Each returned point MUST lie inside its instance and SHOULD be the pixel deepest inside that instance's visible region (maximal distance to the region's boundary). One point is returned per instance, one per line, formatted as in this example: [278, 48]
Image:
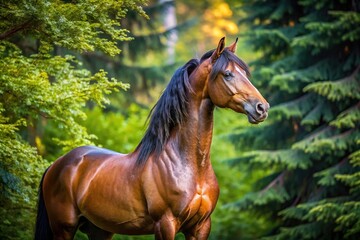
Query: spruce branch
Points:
[302, 190]
[279, 180]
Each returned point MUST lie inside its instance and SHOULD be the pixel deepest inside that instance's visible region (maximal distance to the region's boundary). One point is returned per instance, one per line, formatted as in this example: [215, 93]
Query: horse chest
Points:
[199, 207]
[180, 192]
[196, 201]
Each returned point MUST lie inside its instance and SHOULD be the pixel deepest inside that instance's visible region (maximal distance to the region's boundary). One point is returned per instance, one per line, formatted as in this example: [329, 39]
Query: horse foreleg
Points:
[63, 221]
[63, 231]
[200, 231]
[166, 227]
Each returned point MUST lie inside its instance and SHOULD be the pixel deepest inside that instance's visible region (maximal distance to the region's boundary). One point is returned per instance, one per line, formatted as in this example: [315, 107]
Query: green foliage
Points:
[268, 196]
[143, 60]
[28, 91]
[227, 221]
[286, 158]
[347, 88]
[348, 118]
[14, 151]
[341, 26]
[78, 26]
[293, 109]
[40, 87]
[116, 131]
[310, 75]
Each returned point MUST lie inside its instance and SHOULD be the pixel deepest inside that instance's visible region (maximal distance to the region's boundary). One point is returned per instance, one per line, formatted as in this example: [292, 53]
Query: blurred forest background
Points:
[88, 72]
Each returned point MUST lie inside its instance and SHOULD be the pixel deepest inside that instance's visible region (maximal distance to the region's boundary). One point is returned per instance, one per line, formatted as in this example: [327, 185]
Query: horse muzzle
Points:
[256, 112]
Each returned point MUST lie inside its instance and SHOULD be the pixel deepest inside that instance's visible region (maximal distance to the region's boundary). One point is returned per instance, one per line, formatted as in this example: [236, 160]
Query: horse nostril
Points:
[260, 109]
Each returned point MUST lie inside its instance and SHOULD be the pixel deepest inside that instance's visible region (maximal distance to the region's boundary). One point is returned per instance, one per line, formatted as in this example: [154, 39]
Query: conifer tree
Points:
[306, 156]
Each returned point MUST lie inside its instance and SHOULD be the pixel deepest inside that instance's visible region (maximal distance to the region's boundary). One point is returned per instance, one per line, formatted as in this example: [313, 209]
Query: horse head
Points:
[228, 84]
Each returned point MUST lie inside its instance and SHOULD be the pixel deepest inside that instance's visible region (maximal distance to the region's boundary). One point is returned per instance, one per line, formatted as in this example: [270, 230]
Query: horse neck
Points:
[195, 134]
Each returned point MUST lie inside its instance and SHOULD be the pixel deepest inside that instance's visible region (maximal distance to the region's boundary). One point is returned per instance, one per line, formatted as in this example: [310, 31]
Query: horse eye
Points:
[228, 75]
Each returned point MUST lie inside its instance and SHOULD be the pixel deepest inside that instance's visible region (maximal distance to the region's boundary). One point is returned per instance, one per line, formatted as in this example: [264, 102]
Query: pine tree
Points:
[306, 156]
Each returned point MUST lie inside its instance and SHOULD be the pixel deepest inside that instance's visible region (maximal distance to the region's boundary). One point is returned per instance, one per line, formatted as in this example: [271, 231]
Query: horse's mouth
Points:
[255, 120]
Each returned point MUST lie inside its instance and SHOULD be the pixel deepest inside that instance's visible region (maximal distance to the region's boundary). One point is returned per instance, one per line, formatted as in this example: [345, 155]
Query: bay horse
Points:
[167, 185]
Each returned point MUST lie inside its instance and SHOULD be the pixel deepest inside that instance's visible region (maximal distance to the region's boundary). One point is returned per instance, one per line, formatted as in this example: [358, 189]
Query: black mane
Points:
[172, 108]
[169, 112]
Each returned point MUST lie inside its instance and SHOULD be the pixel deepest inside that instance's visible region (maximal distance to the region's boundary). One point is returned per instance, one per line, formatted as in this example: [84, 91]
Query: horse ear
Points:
[232, 47]
[220, 48]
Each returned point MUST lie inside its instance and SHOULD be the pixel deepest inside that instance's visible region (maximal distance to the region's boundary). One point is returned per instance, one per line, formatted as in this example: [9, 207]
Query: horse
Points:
[167, 184]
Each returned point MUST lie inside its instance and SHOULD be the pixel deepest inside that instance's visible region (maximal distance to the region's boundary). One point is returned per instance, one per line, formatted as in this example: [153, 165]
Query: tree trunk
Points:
[169, 21]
